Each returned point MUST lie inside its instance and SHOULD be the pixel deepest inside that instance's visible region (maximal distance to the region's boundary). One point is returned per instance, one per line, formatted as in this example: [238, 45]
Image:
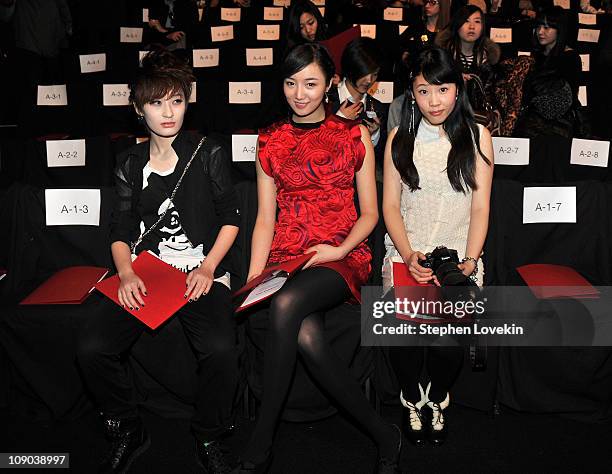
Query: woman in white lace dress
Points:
[437, 184]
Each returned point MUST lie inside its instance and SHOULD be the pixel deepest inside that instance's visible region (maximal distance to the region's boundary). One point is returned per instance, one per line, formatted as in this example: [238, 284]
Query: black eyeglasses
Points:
[433, 3]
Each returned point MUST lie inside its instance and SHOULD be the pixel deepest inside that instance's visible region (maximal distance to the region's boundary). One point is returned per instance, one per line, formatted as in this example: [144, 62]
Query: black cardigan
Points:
[206, 199]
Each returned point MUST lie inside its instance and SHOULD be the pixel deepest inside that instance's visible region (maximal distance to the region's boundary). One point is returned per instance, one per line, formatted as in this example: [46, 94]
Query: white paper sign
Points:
[222, 33]
[588, 36]
[585, 59]
[322, 11]
[130, 35]
[368, 31]
[259, 56]
[145, 15]
[72, 207]
[565, 4]
[245, 92]
[587, 18]
[268, 32]
[273, 14]
[549, 205]
[193, 97]
[115, 94]
[205, 57]
[52, 95]
[92, 62]
[230, 14]
[65, 153]
[243, 147]
[524, 53]
[501, 35]
[590, 152]
[393, 14]
[382, 91]
[511, 151]
[402, 28]
[582, 96]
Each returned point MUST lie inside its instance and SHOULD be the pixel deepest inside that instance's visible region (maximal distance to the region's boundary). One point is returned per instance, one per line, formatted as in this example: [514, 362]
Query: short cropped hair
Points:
[162, 74]
[361, 57]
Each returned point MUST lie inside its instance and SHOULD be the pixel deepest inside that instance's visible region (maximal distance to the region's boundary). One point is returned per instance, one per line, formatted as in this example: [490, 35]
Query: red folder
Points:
[556, 281]
[268, 282]
[165, 289]
[406, 287]
[336, 44]
[68, 286]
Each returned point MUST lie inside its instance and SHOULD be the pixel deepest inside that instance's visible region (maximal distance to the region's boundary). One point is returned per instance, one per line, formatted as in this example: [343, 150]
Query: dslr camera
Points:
[444, 264]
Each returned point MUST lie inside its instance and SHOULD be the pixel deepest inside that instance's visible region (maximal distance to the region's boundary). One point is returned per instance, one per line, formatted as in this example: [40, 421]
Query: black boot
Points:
[129, 439]
[214, 456]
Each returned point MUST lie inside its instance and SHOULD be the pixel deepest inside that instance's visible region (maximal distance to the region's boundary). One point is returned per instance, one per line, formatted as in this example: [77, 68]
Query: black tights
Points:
[443, 365]
[296, 317]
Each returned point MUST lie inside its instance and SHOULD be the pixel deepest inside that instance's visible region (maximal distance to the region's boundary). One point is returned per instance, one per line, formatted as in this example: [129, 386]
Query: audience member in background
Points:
[173, 22]
[586, 7]
[361, 61]
[436, 191]
[413, 10]
[308, 169]
[42, 29]
[306, 25]
[436, 15]
[550, 98]
[175, 199]
[476, 53]
[516, 9]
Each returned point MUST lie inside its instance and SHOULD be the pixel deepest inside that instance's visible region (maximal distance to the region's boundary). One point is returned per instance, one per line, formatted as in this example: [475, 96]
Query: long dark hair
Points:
[454, 44]
[553, 17]
[437, 67]
[294, 33]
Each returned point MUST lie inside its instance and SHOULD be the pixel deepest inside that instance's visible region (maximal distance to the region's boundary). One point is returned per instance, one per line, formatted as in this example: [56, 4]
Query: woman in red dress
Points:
[306, 170]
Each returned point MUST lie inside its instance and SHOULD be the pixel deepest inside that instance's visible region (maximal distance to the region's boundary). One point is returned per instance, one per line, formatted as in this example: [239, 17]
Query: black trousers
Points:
[209, 325]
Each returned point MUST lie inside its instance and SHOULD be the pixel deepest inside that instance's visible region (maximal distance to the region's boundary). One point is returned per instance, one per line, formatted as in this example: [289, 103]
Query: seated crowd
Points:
[316, 171]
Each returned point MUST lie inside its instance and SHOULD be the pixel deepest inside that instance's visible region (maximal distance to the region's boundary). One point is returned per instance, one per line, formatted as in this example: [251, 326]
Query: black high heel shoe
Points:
[391, 465]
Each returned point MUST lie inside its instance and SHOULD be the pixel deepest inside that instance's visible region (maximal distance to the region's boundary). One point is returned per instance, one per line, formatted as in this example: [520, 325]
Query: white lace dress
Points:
[436, 214]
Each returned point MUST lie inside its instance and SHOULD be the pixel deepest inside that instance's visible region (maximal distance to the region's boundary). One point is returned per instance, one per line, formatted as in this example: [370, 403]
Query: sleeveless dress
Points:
[436, 214]
[314, 166]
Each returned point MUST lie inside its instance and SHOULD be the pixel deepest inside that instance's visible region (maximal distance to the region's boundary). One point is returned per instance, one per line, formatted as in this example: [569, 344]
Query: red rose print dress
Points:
[313, 166]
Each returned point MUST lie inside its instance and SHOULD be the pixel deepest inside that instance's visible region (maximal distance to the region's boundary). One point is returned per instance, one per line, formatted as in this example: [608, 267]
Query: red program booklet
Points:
[408, 289]
[67, 286]
[269, 282]
[556, 281]
[165, 289]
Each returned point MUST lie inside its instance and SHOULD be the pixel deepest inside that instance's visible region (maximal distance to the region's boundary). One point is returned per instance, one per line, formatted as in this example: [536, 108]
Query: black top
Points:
[205, 201]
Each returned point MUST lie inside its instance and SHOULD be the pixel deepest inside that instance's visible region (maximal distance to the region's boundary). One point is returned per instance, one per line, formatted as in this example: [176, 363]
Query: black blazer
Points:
[206, 199]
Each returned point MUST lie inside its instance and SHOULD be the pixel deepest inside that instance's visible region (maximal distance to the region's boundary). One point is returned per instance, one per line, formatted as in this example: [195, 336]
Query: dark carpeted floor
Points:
[510, 442]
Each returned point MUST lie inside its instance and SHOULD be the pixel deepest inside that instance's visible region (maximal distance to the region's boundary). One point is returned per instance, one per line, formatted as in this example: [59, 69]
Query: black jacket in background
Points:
[370, 103]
